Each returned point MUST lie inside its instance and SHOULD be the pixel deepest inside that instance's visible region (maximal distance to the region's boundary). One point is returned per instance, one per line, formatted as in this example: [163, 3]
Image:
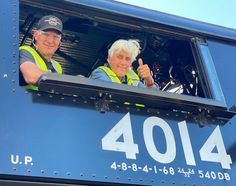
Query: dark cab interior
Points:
[178, 57]
[89, 33]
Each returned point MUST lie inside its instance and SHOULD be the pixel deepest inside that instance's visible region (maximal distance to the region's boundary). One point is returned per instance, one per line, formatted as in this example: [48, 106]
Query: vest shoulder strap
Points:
[56, 66]
[113, 77]
[38, 60]
[132, 78]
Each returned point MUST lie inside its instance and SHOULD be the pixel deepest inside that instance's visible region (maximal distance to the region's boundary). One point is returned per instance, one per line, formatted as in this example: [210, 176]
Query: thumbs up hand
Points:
[145, 73]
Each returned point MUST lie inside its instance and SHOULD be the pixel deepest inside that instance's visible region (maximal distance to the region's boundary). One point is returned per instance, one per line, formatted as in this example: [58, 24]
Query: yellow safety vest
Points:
[40, 63]
[132, 77]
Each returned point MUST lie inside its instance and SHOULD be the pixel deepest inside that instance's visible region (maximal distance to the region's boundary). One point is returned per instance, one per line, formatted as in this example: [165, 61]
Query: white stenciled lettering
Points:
[170, 153]
[112, 142]
[28, 159]
[215, 140]
[21, 160]
[15, 159]
[122, 128]
[187, 146]
[213, 175]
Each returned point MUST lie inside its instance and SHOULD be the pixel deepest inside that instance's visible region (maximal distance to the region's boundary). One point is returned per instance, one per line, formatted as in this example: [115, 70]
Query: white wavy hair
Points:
[131, 46]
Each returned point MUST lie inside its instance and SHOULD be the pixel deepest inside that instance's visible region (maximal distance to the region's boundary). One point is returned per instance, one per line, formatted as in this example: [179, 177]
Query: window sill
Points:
[81, 86]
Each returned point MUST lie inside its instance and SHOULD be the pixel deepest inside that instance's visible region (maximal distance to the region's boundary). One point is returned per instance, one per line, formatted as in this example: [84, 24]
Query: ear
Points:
[108, 59]
[59, 44]
[36, 35]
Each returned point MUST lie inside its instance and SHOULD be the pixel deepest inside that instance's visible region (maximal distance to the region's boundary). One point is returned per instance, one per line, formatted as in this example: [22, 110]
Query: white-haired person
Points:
[121, 55]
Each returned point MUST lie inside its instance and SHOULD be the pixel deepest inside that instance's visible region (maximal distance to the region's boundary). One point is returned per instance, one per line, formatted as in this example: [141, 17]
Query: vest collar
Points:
[41, 56]
[123, 79]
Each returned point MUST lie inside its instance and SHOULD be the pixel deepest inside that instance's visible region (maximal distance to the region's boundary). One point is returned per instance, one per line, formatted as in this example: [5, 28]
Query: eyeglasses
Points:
[47, 35]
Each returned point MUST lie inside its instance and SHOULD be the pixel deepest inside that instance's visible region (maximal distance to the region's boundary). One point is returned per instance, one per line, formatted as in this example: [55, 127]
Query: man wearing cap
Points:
[37, 60]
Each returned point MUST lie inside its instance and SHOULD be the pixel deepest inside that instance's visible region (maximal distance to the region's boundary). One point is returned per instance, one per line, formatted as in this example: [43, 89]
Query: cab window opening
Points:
[85, 42]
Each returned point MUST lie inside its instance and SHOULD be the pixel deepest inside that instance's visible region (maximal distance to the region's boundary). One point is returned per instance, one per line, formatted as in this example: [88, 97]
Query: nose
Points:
[123, 62]
[50, 39]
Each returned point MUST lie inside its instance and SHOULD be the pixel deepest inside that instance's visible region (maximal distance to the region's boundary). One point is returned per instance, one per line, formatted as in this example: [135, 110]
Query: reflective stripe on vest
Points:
[132, 77]
[40, 63]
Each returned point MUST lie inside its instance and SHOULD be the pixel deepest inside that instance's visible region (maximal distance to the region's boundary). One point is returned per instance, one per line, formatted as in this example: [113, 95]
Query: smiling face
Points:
[120, 63]
[47, 42]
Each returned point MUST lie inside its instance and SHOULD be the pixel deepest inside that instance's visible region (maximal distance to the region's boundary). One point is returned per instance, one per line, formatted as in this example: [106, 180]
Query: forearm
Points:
[31, 72]
[149, 83]
[33, 78]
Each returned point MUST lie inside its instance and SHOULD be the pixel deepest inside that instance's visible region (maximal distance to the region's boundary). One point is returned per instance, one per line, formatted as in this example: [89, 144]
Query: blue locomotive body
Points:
[78, 131]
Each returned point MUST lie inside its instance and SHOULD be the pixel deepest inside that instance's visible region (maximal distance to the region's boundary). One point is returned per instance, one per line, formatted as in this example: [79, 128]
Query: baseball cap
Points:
[50, 22]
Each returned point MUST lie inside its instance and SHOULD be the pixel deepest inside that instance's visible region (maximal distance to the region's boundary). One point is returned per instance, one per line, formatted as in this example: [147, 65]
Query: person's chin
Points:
[122, 74]
[50, 50]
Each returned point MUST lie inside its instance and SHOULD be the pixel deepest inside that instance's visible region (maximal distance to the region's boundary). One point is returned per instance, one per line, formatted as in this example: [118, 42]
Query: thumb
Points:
[140, 62]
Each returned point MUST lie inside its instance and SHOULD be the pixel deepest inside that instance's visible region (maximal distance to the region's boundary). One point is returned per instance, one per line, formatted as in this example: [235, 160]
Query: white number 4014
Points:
[112, 142]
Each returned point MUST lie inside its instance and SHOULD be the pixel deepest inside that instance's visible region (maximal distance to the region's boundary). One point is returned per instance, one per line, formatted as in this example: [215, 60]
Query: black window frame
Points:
[213, 105]
[208, 72]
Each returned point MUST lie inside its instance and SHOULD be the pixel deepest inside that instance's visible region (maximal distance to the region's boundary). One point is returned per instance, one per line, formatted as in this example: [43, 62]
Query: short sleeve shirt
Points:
[27, 56]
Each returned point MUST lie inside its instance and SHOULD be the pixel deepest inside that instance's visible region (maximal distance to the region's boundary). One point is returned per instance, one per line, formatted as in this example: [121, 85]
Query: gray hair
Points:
[131, 46]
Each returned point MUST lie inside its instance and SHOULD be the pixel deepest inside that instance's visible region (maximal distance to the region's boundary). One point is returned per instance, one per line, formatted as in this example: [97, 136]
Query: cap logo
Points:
[52, 21]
